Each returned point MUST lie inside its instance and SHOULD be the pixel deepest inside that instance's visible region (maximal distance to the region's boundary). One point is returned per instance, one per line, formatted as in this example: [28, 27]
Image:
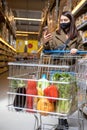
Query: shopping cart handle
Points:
[62, 51]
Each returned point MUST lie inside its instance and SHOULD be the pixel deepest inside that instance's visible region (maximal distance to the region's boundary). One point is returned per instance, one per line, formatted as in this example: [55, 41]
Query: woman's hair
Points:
[72, 30]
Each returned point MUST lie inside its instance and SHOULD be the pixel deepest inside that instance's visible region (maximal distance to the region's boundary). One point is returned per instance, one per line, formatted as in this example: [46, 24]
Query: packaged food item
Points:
[43, 82]
[85, 17]
[52, 20]
[84, 36]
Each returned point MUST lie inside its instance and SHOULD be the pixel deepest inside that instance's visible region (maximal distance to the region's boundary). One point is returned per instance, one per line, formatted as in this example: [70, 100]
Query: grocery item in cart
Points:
[67, 91]
[44, 106]
[31, 101]
[51, 91]
[20, 99]
[17, 83]
[42, 84]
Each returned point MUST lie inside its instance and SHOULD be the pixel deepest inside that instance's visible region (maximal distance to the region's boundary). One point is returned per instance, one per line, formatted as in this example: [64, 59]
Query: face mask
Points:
[65, 25]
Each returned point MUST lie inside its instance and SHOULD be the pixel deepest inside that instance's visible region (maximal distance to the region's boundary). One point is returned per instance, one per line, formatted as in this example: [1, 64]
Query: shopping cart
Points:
[48, 87]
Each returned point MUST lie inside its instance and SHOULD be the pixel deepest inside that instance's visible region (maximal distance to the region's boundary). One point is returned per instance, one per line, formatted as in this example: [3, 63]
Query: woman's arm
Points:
[78, 45]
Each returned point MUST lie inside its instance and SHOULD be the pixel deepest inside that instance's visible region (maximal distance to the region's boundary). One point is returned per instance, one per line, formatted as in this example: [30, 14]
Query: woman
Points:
[67, 31]
[66, 38]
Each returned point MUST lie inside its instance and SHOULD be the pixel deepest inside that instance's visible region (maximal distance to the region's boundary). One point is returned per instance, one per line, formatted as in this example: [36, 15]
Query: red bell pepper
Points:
[51, 91]
[31, 90]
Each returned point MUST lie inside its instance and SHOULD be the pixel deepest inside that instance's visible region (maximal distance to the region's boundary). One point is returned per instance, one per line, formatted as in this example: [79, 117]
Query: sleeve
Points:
[79, 43]
[46, 46]
[52, 44]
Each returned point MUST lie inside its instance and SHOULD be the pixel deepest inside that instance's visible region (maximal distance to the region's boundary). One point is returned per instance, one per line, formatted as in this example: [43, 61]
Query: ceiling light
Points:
[25, 35]
[26, 42]
[27, 19]
[25, 32]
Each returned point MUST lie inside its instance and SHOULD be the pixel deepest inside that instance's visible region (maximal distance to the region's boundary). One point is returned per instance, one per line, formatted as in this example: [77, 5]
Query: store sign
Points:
[31, 46]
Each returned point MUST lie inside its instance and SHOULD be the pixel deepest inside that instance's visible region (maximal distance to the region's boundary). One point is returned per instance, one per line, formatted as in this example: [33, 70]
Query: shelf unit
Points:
[80, 9]
[82, 26]
[4, 19]
[7, 37]
[7, 53]
[48, 9]
[45, 13]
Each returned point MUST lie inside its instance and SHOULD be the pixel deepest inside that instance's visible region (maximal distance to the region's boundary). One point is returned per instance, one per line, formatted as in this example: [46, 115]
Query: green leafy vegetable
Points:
[67, 89]
[17, 83]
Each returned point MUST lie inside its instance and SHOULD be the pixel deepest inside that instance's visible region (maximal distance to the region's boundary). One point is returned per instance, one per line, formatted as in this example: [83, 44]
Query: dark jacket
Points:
[59, 40]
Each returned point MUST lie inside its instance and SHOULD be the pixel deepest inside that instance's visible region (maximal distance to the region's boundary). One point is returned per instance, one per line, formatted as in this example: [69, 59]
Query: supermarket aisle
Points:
[17, 121]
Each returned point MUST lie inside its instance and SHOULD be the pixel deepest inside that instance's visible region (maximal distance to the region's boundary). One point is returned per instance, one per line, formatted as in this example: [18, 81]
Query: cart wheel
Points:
[38, 128]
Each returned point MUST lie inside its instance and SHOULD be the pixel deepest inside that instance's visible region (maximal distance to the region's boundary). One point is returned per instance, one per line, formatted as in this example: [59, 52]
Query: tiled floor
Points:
[10, 120]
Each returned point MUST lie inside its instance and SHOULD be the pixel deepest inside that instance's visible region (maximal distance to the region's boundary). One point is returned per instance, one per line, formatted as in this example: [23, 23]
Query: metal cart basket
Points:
[47, 87]
[82, 83]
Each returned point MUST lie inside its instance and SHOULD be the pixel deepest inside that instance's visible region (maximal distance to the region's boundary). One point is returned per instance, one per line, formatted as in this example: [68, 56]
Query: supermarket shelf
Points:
[2, 70]
[79, 7]
[82, 26]
[4, 18]
[7, 53]
[1, 40]
[52, 5]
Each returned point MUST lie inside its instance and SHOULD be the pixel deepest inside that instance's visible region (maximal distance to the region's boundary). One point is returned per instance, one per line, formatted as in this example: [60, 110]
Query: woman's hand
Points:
[47, 37]
[73, 51]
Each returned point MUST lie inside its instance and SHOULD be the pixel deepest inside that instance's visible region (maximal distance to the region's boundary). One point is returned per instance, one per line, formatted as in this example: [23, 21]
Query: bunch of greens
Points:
[67, 88]
[17, 83]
